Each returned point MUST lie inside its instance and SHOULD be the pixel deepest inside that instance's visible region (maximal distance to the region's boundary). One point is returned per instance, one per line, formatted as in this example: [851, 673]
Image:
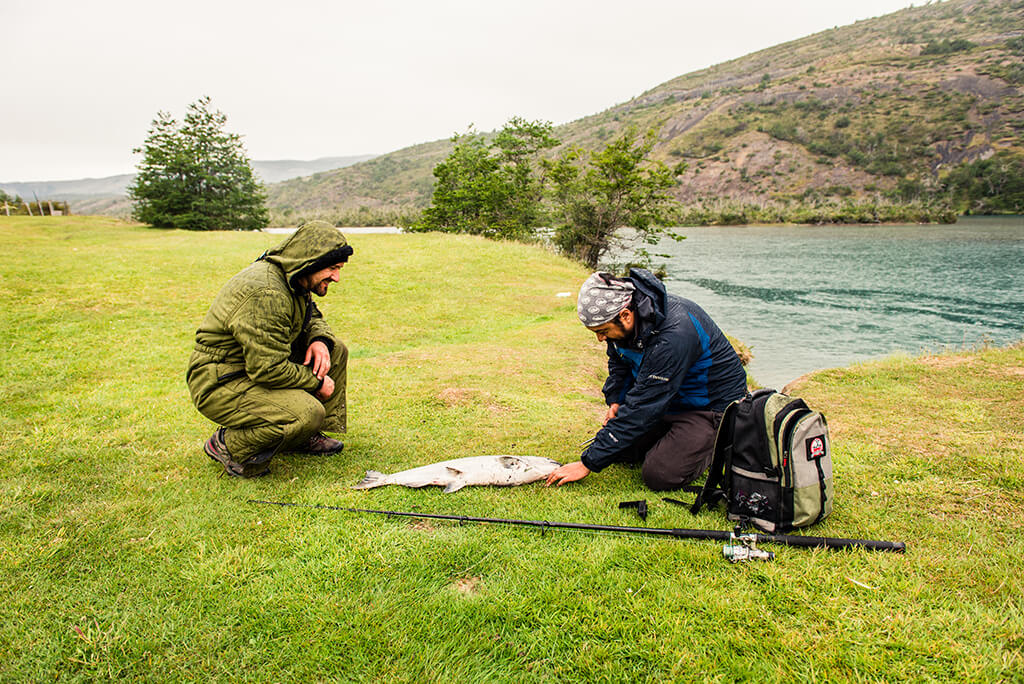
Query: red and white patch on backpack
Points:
[815, 447]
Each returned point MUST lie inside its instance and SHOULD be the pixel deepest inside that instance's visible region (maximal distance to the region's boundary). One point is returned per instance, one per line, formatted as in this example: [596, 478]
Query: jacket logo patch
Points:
[657, 377]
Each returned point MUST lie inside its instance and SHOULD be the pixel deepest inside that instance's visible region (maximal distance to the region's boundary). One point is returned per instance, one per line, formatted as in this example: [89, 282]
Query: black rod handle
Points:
[832, 542]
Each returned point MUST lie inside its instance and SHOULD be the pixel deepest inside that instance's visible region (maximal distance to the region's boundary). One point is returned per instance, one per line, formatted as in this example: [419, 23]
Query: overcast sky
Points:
[301, 79]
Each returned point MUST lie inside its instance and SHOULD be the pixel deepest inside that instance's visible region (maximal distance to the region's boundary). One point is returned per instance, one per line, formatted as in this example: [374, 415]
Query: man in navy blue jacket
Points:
[671, 373]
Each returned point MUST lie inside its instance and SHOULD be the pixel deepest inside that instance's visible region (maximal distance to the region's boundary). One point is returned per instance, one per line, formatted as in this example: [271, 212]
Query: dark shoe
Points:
[257, 465]
[217, 449]
[322, 444]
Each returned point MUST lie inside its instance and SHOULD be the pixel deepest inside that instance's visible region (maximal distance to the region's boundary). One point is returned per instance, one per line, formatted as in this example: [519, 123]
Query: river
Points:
[811, 297]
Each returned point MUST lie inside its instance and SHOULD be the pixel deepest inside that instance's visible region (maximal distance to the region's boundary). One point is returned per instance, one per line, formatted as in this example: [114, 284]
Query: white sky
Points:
[301, 79]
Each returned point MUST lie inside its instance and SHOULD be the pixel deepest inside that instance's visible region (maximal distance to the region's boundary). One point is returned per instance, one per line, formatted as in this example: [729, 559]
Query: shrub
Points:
[946, 47]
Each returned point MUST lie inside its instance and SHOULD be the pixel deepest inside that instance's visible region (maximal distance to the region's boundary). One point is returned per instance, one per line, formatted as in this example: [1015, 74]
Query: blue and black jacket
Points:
[678, 360]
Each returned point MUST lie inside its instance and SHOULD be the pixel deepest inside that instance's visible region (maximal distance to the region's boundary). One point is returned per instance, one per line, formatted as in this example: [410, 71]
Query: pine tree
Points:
[196, 176]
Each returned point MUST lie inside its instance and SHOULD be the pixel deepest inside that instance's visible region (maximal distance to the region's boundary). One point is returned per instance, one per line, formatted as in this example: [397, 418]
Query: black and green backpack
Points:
[772, 465]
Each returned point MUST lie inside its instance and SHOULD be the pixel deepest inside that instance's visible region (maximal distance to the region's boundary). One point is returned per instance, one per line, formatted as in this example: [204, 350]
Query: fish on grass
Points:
[457, 473]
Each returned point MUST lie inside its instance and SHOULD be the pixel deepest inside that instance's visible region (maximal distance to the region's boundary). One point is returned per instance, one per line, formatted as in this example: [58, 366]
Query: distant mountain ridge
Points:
[284, 169]
[882, 107]
[71, 189]
[90, 191]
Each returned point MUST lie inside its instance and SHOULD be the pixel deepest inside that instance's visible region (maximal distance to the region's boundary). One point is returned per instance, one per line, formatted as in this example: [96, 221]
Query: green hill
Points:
[399, 181]
[886, 107]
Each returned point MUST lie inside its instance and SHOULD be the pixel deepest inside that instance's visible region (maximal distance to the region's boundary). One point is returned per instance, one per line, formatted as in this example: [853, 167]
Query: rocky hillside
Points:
[884, 107]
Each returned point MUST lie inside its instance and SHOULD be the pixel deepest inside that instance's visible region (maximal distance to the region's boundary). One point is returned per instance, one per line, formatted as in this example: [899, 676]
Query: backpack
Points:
[772, 463]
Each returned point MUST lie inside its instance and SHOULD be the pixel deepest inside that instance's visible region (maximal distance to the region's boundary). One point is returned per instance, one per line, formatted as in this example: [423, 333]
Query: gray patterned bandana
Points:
[602, 297]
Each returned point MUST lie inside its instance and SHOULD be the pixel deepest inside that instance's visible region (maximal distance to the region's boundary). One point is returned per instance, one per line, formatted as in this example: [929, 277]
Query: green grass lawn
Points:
[125, 554]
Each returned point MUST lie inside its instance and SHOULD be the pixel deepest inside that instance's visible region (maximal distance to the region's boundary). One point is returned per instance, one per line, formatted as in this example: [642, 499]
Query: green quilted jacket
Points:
[262, 321]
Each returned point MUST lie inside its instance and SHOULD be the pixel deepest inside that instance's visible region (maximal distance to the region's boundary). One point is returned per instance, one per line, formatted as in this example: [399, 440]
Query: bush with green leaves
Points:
[196, 176]
[946, 47]
[491, 188]
[988, 186]
[594, 194]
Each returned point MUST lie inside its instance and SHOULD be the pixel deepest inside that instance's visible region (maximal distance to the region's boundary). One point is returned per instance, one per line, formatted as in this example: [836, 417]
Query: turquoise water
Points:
[809, 297]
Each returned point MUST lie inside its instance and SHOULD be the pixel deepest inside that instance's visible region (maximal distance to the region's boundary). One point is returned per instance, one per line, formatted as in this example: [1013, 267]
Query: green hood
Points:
[315, 245]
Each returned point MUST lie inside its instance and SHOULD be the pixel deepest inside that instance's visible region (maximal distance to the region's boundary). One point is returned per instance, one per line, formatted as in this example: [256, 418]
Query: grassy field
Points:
[124, 554]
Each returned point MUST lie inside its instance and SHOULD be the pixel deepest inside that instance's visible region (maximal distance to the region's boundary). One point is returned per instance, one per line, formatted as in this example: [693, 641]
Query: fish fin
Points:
[455, 485]
[508, 461]
[454, 472]
[373, 479]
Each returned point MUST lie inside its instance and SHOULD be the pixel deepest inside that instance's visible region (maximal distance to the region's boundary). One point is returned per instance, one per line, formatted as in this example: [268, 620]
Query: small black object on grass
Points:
[640, 506]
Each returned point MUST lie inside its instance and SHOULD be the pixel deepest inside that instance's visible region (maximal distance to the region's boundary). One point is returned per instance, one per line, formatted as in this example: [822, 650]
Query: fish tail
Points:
[373, 479]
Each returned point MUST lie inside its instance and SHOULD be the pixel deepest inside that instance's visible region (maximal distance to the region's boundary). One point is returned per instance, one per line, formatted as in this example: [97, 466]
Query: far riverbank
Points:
[354, 230]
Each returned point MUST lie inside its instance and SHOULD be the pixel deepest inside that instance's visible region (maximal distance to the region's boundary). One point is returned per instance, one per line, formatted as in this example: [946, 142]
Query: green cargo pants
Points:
[260, 419]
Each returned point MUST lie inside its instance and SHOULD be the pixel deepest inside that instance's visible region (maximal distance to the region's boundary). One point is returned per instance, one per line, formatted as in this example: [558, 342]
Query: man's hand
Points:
[326, 389]
[320, 357]
[570, 472]
[613, 411]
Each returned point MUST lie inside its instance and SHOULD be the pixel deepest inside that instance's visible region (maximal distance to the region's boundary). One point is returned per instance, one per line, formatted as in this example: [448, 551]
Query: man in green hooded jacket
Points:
[266, 366]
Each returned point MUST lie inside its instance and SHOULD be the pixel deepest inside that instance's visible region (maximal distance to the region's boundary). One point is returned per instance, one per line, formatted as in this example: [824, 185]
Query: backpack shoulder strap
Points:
[711, 493]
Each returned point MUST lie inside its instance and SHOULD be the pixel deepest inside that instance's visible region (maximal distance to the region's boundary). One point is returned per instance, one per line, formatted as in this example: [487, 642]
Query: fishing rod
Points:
[743, 545]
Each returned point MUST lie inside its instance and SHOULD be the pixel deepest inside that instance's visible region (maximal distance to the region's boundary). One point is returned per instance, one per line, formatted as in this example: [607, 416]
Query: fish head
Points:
[542, 465]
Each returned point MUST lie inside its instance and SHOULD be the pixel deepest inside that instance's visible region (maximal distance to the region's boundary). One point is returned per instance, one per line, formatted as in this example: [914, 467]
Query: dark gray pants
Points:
[677, 451]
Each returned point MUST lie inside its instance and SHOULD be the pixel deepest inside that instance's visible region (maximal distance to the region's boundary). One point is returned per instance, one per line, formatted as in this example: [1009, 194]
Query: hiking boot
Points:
[217, 449]
[320, 443]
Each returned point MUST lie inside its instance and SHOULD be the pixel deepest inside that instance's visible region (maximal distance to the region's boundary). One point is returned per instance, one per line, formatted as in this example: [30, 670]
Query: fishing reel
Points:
[743, 547]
